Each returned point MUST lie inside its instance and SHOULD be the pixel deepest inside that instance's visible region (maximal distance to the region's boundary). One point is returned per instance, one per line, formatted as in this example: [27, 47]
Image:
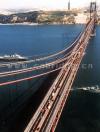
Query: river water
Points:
[82, 110]
[36, 40]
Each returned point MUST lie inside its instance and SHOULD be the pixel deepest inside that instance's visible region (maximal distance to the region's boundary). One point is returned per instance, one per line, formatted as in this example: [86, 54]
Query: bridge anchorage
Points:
[48, 114]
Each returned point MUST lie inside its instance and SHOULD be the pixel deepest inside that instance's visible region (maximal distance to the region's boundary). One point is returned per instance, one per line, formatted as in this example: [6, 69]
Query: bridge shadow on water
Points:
[25, 115]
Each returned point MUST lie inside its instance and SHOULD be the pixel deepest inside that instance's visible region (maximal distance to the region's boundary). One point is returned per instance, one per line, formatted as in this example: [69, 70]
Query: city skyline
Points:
[42, 4]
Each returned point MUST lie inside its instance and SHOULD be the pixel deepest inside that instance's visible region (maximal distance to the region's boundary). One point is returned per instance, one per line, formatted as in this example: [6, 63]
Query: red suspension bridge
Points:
[67, 62]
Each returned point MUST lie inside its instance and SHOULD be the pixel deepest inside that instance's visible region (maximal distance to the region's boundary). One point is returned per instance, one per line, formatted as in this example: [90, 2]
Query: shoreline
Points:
[36, 24]
[30, 24]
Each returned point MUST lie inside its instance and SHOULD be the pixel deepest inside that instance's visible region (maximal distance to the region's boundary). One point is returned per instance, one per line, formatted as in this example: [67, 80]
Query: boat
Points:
[94, 89]
[14, 57]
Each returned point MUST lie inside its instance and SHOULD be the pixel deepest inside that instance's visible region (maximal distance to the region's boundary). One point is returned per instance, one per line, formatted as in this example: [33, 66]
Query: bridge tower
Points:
[93, 13]
[69, 5]
[93, 8]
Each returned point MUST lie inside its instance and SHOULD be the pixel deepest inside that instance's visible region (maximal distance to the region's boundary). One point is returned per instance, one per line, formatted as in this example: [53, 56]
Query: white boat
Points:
[94, 89]
[14, 57]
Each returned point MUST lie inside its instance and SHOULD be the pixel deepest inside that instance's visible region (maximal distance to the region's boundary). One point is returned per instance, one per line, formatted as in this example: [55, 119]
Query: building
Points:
[81, 18]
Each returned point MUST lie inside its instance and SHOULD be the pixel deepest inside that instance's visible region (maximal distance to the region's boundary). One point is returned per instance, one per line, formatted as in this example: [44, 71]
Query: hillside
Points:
[45, 17]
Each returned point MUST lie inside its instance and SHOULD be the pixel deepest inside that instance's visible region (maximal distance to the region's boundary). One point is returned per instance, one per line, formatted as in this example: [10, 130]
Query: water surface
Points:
[36, 40]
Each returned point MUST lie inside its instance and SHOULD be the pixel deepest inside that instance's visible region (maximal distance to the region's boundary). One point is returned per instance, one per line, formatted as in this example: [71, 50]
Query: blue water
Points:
[36, 40]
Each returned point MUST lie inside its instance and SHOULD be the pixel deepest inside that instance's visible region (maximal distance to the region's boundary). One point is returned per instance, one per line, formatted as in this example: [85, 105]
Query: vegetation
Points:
[45, 17]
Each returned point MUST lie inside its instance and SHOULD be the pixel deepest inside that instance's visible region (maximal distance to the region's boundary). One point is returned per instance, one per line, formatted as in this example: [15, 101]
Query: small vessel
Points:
[84, 89]
[14, 57]
[94, 89]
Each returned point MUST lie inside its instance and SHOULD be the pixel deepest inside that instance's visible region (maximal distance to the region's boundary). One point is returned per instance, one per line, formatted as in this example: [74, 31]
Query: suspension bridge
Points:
[67, 62]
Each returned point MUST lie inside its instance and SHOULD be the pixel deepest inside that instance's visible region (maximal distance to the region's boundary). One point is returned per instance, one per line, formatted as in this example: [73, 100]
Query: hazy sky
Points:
[48, 4]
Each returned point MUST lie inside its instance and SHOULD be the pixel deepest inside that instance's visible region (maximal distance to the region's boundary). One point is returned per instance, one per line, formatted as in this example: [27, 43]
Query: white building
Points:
[81, 18]
[14, 19]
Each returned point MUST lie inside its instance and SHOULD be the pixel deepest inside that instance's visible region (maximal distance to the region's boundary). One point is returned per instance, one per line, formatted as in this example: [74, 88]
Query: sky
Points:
[41, 4]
